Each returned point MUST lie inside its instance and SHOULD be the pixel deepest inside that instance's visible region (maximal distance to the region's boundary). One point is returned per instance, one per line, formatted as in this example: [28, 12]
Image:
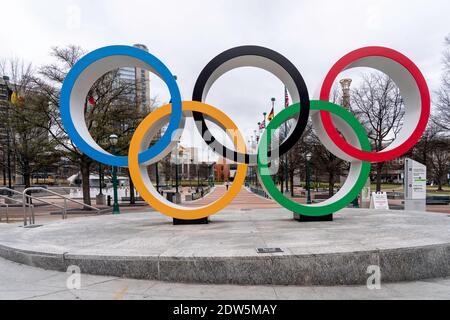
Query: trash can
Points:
[170, 196]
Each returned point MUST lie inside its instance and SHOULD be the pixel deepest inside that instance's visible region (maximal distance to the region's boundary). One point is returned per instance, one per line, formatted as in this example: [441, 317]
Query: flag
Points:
[20, 101]
[262, 125]
[92, 101]
[14, 98]
[271, 115]
[286, 98]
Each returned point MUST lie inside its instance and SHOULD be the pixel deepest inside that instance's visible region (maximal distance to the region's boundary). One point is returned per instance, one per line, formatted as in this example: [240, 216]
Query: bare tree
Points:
[440, 161]
[423, 150]
[31, 147]
[379, 107]
[115, 110]
[324, 160]
[442, 100]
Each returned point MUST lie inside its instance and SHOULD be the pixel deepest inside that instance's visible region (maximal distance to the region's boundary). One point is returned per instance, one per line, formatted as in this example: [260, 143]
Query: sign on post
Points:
[415, 185]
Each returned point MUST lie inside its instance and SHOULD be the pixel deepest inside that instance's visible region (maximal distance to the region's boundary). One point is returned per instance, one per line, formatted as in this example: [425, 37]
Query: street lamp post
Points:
[198, 176]
[100, 198]
[210, 175]
[157, 176]
[308, 178]
[190, 175]
[100, 178]
[176, 168]
[346, 84]
[114, 139]
[8, 146]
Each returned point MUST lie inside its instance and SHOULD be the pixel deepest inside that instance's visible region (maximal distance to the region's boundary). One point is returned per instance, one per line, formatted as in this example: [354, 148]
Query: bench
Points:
[438, 200]
[395, 195]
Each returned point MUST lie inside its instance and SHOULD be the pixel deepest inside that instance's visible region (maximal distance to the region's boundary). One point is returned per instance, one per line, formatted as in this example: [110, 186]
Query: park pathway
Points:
[244, 200]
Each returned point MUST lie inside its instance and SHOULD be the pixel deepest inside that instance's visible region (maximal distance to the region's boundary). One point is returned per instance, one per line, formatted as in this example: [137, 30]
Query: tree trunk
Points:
[27, 179]
[132, 197]
[85, 166]
[439, 181]
[26, 175]
[330, 184]
[379, 172]
[4, 173]
[291, 177]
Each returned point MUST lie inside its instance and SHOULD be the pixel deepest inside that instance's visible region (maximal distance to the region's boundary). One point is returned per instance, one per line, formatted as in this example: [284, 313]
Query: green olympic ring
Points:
[344, 197]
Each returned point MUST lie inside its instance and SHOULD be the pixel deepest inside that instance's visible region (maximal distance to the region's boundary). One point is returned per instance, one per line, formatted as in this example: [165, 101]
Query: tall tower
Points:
[142, 77]
[345, 84]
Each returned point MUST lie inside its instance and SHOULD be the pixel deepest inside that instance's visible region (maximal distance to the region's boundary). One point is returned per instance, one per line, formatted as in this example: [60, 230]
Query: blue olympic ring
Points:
[82, 65]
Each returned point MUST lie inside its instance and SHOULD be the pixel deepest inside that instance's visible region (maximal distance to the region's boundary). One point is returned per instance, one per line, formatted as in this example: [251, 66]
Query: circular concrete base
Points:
[405, 245]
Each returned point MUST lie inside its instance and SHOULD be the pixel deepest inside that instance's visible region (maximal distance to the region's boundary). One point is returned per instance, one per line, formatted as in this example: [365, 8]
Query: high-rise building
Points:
[4, 96]
[4, 89]
[140, 78]
[143, 85]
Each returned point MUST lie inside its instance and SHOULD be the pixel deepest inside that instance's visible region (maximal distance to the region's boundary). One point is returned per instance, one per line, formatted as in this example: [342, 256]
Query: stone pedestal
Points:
[302, 218]
[179, 222]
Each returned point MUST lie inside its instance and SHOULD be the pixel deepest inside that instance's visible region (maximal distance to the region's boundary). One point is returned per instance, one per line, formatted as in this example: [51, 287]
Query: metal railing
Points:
[59, 196]
[24, 204]
[7, 216]
[28, 207]
[6, 206]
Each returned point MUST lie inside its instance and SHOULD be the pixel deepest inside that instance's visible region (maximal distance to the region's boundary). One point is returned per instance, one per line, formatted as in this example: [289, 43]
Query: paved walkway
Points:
[244, 200]
[19, 282]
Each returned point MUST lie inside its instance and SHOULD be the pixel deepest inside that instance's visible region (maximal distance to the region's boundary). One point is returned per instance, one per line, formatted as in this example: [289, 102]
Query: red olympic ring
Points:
[346, 62]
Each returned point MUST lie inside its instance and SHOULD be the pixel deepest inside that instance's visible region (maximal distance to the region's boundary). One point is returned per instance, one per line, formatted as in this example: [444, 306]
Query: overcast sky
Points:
[186, 35]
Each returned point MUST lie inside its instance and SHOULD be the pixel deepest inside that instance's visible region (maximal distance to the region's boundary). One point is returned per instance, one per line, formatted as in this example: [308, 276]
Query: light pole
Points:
[286, 168]
[8, 138]
[176, 168]
[198, 177]
[213, 177]
[346, 84]
[100, 198]
[114, 139]
[308, 178]
[157, 176]
[100, 178]
[190, 175]
[256, 143]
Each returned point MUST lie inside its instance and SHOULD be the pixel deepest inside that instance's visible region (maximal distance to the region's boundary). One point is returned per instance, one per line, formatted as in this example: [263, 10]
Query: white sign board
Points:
[379, 201]
[415, 180]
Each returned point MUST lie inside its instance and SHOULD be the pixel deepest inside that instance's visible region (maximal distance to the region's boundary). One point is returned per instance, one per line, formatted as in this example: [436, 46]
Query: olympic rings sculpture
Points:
[329, 120]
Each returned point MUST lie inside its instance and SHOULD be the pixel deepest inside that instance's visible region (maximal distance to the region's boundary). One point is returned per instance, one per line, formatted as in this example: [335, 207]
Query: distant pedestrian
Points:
[227, 185]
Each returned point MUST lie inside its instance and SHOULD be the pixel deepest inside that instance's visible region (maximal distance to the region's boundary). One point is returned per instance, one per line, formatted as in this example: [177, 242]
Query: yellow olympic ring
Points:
[139, 173]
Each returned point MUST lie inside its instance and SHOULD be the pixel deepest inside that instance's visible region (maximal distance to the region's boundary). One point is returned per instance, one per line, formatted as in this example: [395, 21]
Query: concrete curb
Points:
[347, 268]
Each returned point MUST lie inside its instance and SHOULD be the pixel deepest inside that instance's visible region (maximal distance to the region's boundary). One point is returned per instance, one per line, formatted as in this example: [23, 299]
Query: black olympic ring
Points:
[264, 58]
